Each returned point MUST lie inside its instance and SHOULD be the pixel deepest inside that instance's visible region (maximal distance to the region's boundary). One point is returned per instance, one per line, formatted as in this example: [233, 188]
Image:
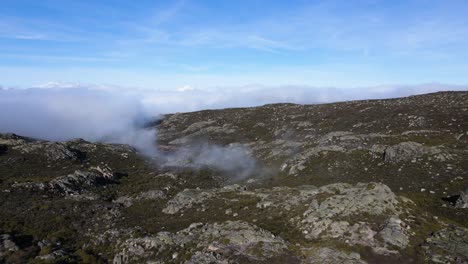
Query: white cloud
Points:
[66, 113]
[60, 111]
[183, 100]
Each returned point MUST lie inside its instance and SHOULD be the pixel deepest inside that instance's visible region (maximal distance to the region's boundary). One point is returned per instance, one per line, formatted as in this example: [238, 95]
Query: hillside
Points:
[375, 181]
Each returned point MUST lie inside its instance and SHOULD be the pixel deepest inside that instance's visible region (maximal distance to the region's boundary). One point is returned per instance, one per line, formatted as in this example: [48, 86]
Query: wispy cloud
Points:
[37, 29]
[203, 43]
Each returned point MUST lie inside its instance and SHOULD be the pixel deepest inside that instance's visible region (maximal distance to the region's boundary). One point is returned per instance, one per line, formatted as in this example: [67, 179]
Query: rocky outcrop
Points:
[330, 256]
[189, 197]
[449, 245]
[462, 201]
[204, 243]
[350, 213]
[74, 183]
[407, 151]
[128, 201]
[10, 139]
[342, 212]
[6, 246]
[344, 201]
[54, 151]
[395, 233]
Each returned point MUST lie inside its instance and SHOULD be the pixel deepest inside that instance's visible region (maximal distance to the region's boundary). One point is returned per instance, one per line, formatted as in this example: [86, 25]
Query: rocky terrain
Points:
[376, 181]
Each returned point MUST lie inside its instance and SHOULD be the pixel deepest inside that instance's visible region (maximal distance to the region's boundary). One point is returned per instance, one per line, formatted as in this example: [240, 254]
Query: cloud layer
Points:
[185, 99]
[62, 114]
[60, 111]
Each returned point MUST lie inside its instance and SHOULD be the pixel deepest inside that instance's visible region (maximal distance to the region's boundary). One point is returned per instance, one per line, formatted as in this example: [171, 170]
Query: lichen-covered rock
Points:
[341, 211]
[6, 245]
[350, 213]
[449, 245]
[406, 151]
[73, 183]
[204, 243]
[189, 197]
[395, 233]
[54, 151]
[330, 256]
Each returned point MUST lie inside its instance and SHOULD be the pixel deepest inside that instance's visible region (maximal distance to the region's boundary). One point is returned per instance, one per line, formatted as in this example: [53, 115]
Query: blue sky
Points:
[202, 44]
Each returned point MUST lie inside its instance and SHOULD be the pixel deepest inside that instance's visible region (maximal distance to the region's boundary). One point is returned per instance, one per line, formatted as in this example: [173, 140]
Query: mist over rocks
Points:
[236, 161]
[279, 183]
[63, 114]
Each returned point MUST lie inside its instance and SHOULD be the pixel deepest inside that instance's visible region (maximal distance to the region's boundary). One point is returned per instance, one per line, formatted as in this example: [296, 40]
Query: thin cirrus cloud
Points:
[363, 43]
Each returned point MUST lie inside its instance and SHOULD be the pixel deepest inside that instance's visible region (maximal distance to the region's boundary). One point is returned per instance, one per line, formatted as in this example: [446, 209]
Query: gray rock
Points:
[394, 233]
[189, 197]
[449, 245]
[406, 151]
[462, 201]
[73, 183]
[328, 206]
[214, 242]
[330, 256]
[7, 243]
[54, 151]
[324, 217]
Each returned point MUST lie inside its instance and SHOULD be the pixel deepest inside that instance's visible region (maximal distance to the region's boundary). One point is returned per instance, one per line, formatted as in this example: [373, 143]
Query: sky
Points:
[191, 45]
